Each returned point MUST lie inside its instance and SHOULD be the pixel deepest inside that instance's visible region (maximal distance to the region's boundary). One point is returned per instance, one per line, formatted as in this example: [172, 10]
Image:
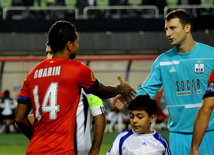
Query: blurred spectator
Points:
[81, 4]
[50, 2]
[4, 4]
[7, 111]
[15, 14]
[118, 13]
[91, 2]
[39, 3]
[118, 2]
[206, 12]
[196, 12]
[172, 3]
[49, 14]
[137, 12]
[196, 2]
[162, 112]
[61, 13]
[91, 13]
[116, 115]
[102, 12]
[160, 4]
[102, 2]
[29, 14]
[134, 2]
[187, 2]
[71, 3]
[27, 3]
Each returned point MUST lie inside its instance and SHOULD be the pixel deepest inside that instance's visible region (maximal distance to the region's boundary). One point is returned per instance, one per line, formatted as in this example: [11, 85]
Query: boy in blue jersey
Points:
[140, 139]
[183, 72]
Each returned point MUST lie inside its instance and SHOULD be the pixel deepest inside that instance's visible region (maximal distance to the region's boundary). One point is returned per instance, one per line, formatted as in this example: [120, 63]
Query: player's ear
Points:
[69, 45]
[188, 27]
[152, 118]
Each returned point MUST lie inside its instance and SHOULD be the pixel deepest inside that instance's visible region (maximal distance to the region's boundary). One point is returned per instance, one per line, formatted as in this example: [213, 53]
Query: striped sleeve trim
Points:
[122, 140]
[164, 142]
[24, 100]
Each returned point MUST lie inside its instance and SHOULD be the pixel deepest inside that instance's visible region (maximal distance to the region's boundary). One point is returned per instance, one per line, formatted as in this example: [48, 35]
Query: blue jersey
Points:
[184, 80]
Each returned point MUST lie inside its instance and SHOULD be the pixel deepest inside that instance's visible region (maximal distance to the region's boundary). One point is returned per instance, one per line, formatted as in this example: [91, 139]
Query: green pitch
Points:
[16, 143]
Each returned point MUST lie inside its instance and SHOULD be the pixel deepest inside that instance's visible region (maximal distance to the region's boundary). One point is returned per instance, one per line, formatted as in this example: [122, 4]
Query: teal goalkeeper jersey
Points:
[184, 80]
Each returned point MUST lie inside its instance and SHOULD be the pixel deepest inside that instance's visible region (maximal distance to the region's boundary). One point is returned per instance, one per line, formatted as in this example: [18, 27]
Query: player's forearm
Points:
[200, 126]
[25, 126]
[100, 124]
[103, 91]
[22, 121]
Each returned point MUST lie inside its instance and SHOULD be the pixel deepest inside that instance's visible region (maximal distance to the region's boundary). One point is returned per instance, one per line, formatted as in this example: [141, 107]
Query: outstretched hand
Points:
[127, 92]
[119, 105]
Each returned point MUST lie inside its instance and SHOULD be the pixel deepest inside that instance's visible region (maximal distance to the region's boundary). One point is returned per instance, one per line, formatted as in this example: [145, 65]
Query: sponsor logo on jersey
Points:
[199, 68]
[172, 70]
[188, 87]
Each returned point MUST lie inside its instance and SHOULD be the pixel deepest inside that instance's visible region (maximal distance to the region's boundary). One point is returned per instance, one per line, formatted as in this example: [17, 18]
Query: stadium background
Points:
[109, 47]
[129, 42]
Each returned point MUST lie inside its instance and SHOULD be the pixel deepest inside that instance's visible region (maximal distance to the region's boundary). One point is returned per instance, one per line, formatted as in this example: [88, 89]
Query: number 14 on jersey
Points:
[51, 96]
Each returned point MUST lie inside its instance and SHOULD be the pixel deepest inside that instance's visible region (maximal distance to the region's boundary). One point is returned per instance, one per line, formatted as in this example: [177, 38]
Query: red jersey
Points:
[211, 77]
[53, 89]
[160, 115]
[210, 86]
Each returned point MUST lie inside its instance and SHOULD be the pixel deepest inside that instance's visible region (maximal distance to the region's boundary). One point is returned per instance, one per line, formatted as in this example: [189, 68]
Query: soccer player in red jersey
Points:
[90, 106]
[52, 90]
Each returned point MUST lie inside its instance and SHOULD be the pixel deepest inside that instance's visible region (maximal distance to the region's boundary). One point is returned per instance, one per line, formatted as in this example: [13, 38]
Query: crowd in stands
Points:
[81, 4]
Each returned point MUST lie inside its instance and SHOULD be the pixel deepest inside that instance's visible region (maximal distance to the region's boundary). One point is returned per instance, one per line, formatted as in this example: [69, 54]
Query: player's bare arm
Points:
[100, 124]
[110, 91]
[21, 119]
[201, 123]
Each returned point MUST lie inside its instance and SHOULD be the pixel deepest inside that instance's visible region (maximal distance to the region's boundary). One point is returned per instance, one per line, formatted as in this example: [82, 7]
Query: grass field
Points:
[16, 143]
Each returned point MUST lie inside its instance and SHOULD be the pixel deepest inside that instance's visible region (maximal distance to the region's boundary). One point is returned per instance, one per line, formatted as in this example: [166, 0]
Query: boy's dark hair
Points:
[60, 34]
[144, 102]
[184, 16]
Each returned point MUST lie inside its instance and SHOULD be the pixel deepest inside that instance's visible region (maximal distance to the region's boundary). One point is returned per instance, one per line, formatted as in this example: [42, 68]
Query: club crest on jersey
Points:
[199, 68]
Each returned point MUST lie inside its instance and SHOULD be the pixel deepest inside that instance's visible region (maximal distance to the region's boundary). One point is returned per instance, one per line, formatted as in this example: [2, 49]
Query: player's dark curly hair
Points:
[144, 102]
[60, 34]
[184, 16]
